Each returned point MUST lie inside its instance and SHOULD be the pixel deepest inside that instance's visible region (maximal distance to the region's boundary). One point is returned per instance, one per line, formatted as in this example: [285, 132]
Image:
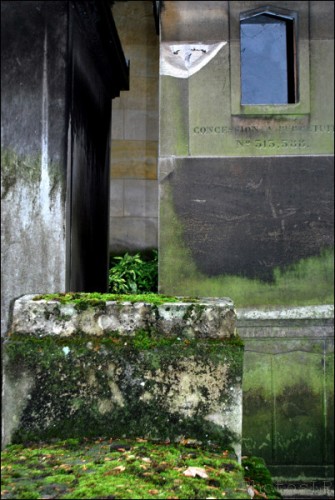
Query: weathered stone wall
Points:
[33, 149]
[134, 152]
[288, 390]
[106, 368]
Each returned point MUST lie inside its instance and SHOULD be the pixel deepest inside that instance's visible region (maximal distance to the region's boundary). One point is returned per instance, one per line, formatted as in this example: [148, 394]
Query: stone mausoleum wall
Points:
[246, 206]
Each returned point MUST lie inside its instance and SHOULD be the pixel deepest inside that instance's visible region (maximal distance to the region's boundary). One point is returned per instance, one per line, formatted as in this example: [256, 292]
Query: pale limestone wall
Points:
[134, 189]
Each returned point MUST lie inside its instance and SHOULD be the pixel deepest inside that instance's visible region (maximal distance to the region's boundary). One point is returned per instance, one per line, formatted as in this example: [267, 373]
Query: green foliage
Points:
[134, 273]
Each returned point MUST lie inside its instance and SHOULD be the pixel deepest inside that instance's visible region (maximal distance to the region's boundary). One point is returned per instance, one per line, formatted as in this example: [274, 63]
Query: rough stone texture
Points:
[205, 318]
[33, 142]
[124, 369]
[288, 389]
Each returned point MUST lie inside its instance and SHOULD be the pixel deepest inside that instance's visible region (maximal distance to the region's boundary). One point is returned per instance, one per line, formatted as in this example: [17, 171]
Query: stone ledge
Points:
[321, 315]
[201, 318]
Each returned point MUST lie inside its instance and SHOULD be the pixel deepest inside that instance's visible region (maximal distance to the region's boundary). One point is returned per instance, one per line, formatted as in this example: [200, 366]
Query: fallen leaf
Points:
[140, 440]
[153, 492]
[65, 467]
[115, 470]
[119, 468]
[251, 492]
[146, 459]
[195, 471]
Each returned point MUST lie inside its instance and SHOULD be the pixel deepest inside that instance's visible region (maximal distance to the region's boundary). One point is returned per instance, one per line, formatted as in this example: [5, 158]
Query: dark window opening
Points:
[268, 63]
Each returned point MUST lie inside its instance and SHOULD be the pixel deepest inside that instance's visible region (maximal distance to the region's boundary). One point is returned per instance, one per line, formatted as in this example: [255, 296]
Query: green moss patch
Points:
[84, 300]
[123, 468]
[84, 384]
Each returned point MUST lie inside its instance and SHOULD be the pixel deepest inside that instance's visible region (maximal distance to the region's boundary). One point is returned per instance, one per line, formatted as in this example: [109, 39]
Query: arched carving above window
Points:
[268, 57]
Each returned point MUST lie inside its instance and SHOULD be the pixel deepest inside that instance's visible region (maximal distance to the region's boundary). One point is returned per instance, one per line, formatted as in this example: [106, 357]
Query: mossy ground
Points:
[110, 468]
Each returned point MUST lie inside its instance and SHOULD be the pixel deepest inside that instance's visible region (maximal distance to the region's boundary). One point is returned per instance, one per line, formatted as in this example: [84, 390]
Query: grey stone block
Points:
[140, 198]
[133, 233]
[141, 125]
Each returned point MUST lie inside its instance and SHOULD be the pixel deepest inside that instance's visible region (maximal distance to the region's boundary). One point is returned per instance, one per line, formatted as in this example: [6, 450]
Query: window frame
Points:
[301, 106]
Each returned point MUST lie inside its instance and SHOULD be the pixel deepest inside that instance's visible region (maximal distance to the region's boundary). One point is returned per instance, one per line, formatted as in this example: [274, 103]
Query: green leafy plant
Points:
[134, 273]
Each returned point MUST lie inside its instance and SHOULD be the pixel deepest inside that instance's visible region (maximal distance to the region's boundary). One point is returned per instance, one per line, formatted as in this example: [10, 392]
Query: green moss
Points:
[257, 474]
[26, 169]
[125, 468]
[75, 377]
[309, 281]
[95, 299]
[15, 167]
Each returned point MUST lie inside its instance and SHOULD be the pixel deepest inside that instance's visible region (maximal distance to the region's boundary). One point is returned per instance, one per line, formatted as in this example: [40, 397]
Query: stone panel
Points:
[190, 21]
[173, 116]
[140, 125]
[117, 123]
[140, 198]
[116, 198]
[322, 20]
[133, 233]
[243, 218]
[288, 385]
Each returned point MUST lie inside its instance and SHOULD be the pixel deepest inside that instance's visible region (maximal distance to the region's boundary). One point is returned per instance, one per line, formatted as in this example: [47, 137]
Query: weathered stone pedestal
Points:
[99, 368]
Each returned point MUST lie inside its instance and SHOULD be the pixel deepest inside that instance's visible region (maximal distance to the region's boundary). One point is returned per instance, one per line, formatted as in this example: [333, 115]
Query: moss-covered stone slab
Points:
[167, 371]
[193, 318]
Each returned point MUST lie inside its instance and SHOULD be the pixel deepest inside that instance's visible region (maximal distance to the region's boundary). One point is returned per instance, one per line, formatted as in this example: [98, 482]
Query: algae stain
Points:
[16, 168]
[309, 281]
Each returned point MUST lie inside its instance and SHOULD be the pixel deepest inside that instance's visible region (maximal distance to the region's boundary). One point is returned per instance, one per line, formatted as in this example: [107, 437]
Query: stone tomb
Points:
[114, 369]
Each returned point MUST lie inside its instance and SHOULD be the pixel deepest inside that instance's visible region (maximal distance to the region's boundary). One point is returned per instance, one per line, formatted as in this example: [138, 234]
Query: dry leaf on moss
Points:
[195, 471]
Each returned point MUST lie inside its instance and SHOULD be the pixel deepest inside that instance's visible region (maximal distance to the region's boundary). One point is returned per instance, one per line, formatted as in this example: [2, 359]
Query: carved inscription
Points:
[211, 129]
[272, 143]
[267, 137]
